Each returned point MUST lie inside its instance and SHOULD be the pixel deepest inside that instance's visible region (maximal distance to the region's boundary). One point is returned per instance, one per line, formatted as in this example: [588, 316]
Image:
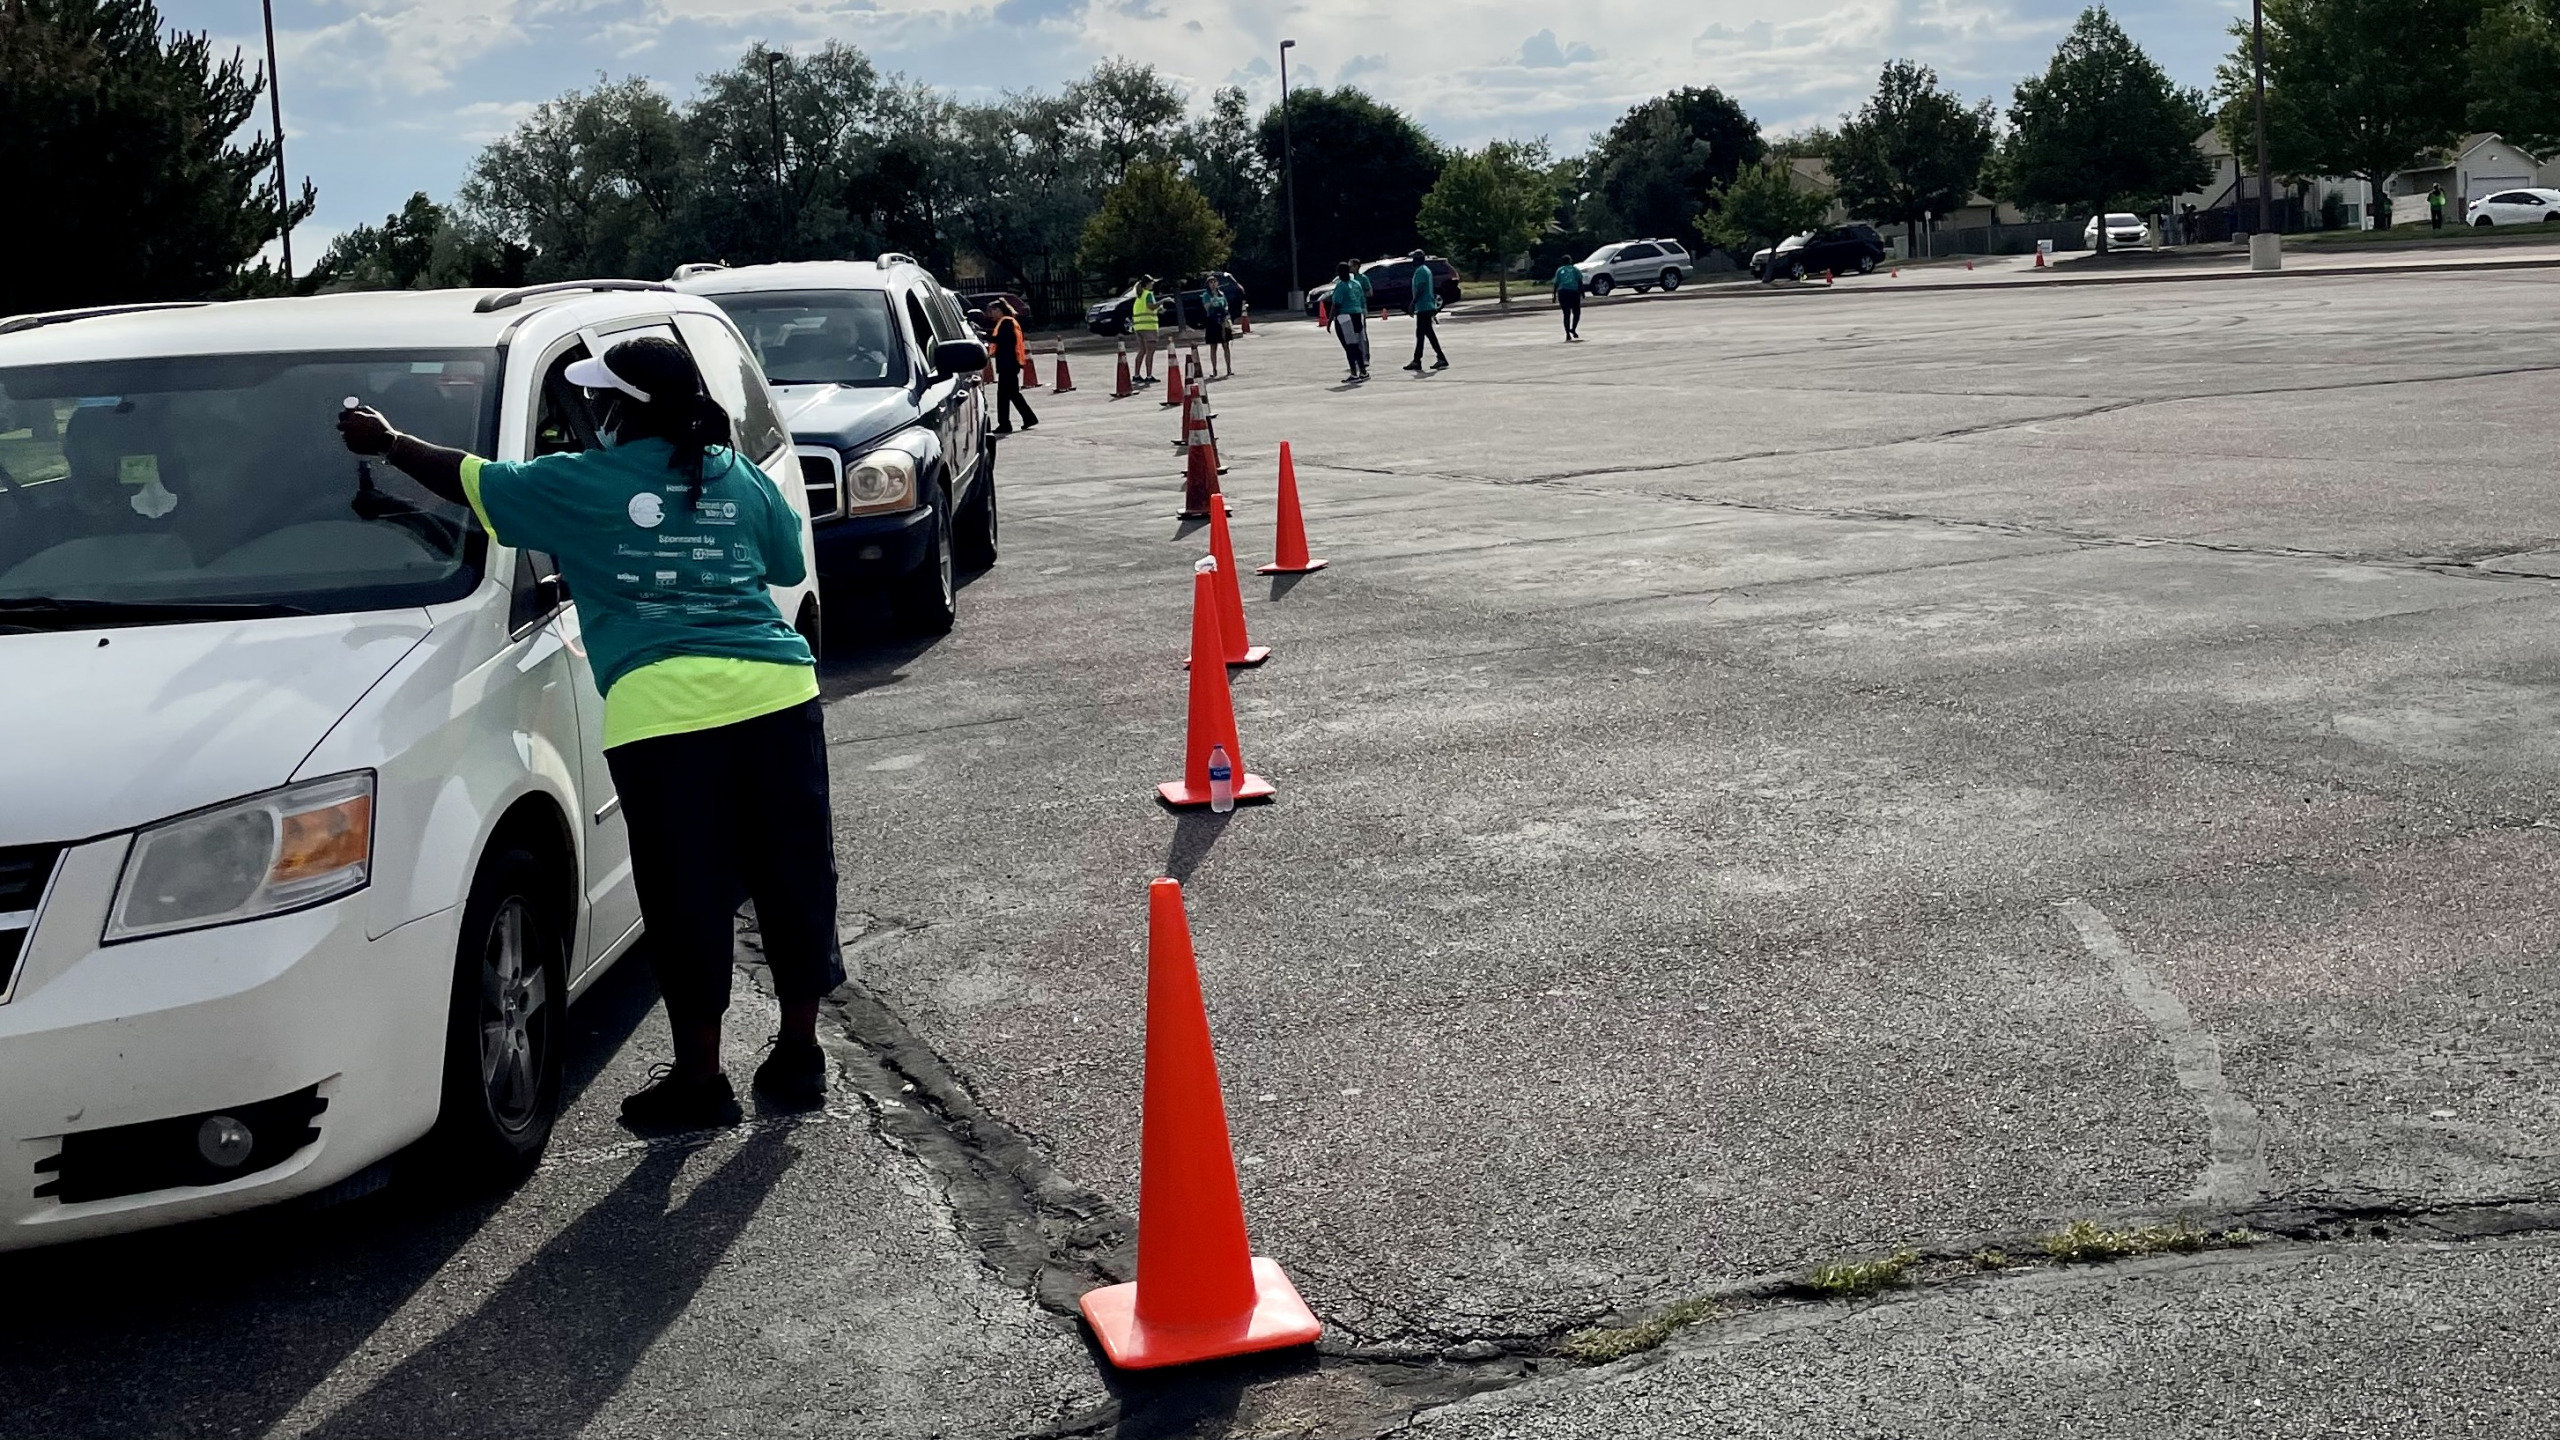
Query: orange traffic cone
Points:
[1322, 318]
[1200, 460]
[1201, 1292]
[1240, 649]
[1213, 712]
[1244, 322]
[1292, 544]
[1066, 382]
[1172, 385]
[2038, 265]
[1829, 278]
[1897, 272]
[1968, 265]
[1191, 364]
[1120, 389]
[1030, 372]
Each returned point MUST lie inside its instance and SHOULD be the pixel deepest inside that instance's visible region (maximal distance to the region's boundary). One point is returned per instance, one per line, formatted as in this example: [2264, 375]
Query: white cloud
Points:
[1541, 52]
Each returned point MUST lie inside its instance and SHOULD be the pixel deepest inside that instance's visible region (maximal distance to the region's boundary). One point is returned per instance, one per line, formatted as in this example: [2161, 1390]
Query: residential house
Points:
[2480, 166]
[1813, 175]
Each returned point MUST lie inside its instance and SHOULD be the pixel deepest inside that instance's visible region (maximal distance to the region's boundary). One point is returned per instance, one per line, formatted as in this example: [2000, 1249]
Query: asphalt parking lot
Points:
[1791, 779]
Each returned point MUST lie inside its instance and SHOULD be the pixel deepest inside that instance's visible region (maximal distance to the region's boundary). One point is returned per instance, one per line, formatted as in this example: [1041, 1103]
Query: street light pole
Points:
[1289, 176]
[773, 112]
[275, 112]
[2258, 53]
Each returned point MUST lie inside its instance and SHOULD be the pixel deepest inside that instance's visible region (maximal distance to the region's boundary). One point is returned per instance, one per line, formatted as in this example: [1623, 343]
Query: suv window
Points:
[1674, 247]
[1640, 252]
[733, 380]
[820, 337]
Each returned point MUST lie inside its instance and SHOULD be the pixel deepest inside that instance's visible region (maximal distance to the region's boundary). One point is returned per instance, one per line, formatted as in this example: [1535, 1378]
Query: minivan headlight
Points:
[885, 479]
[284, 850]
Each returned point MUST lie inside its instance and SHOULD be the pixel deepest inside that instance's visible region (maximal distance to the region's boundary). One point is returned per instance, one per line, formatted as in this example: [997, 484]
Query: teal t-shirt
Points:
[1425, 298]
[653, 575]
[1568, 277]
[1350, 297]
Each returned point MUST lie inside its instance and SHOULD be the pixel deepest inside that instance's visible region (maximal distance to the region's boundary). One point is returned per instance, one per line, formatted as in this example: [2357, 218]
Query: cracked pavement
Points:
[1787, 780]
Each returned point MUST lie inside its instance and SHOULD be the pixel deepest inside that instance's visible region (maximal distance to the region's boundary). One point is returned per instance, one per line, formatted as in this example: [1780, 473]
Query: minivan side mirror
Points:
[958, 357]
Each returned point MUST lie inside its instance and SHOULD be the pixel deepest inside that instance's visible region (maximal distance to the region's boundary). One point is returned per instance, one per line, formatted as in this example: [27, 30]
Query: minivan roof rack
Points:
[698, 267]
[895, 257]
[16, 323]
[506, 298]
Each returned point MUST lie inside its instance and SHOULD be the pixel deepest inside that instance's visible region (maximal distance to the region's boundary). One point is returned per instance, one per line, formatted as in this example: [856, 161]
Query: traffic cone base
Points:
[1291, 543]
[1252, 656]
[1183, 795]
[1276, 568]
[1278, 1320]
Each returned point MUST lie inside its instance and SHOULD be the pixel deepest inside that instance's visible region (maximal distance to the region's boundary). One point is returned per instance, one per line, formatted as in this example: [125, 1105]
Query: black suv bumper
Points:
[874, 547]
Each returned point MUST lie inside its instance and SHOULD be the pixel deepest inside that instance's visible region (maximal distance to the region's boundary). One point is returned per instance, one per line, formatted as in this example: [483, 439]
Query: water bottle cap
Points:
[350, 403]
[1205, 565]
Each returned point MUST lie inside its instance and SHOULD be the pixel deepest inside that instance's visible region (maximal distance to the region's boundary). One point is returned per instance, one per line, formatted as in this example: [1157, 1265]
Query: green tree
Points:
[394, 255]
[122, 135]
[1362, 170]
[2515, 73]
[745, 200]
[1658, 170]
[2354, 87]
[2102, 127]
[1813, 142]
[1762, 206]
[597, 182]
[1488, 206]
[1124, 114]
[1912, 151]
[1155, 223]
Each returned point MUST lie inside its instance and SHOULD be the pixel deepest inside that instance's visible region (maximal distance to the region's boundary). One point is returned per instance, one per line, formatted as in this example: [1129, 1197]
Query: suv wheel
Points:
[503, 1028]
[1670, 280]
[1795, 269]
[927, 599]
[977, 540]
[1600, 285]
[1866, 264]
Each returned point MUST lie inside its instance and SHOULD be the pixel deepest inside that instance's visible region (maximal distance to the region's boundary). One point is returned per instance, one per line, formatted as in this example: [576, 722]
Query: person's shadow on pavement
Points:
[561, 1335]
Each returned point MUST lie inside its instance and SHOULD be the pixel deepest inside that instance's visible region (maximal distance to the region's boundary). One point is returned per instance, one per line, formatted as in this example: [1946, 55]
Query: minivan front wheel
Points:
[503, 1030]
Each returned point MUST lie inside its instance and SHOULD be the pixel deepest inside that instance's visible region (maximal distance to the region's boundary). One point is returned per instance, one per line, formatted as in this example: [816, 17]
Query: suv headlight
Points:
[885, 479]
[284, 850]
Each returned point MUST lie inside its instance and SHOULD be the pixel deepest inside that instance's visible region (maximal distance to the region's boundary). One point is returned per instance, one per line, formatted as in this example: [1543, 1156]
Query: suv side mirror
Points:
[958, 357]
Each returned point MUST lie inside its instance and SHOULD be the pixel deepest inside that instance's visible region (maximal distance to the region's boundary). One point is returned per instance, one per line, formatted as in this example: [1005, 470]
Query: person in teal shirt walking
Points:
[668, 538]
[1568, 285]
[1426, 311]
[1349, 304]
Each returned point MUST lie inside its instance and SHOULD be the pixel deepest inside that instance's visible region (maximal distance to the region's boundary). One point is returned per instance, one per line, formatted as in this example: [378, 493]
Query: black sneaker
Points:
[794, 1077]
[1001, 430]
[1414, 365]
[669, 1103]
[1030, 424]
[1440, 364]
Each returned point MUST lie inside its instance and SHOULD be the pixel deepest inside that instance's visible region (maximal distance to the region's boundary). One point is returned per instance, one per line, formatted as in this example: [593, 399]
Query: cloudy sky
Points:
[383, 97]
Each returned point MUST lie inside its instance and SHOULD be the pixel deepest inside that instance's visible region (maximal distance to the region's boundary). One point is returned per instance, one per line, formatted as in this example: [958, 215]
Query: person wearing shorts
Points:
[1216, 324]
[1350, 306]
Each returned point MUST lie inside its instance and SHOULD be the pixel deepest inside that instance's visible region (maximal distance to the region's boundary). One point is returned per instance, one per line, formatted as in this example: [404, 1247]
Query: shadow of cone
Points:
[1201, 1292]
[1213, 711]
[1291, 546]
[1240, 649]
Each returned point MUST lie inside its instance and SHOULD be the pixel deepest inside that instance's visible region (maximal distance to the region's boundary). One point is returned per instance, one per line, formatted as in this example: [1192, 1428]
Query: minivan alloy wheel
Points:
[515, 1024]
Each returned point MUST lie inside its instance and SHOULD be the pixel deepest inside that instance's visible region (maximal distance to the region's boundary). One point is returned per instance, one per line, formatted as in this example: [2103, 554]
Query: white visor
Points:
[592, 373]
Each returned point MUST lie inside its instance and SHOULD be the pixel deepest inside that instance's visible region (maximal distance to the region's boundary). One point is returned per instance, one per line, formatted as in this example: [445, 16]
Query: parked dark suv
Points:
[1391, 284]
[875, 369]
[1111, 317]
[1840, 248]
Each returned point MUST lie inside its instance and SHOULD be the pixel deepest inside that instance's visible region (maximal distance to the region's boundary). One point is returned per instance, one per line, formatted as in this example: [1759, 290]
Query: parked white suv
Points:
[306, 838]
[1637, 265]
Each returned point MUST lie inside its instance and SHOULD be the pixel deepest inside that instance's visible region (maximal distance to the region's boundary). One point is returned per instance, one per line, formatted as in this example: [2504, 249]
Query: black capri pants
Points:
[721, 816]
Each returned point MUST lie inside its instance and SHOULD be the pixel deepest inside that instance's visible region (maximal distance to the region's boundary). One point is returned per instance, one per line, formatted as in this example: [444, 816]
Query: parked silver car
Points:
[1637, 265]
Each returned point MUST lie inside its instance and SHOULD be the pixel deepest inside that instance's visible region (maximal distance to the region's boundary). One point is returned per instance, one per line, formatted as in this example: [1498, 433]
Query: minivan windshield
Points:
[219, 480]
[821, 337]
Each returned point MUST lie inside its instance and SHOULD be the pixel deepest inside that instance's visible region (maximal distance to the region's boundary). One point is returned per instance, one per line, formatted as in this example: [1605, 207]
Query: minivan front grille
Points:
[822, 476]
[24, 872]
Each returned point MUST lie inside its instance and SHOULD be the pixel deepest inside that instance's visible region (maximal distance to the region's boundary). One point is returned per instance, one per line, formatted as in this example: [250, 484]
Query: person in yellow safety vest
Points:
[1143, 321]
[1012, 352]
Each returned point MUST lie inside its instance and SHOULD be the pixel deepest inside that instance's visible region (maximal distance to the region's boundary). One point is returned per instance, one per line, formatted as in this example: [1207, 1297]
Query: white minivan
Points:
[306, 839]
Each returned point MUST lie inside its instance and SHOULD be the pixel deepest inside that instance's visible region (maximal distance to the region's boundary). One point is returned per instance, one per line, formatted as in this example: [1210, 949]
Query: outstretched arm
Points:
[366, 432]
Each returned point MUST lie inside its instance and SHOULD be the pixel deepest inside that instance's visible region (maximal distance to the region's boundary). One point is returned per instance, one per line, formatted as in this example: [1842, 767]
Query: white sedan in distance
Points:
[2516, 207]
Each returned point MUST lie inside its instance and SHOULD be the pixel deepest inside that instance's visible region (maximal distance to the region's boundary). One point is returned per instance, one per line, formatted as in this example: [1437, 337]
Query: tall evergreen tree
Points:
[123, 135]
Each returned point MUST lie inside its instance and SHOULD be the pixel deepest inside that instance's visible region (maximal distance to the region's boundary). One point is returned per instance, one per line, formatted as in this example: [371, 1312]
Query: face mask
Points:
[609, 424]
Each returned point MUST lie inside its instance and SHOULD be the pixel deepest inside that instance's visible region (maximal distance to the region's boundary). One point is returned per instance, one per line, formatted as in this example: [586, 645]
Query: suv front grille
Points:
[24, 872]
[822, 476]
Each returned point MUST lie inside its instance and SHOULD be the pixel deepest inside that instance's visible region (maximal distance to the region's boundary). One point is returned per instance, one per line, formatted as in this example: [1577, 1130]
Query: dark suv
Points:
[1840, 248]
[1111, 317]
[1391, 284]
[875, 369]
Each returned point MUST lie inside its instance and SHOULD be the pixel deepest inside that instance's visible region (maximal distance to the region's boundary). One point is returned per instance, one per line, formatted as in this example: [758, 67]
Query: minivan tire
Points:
[505, 1025]
[978, 537]
[1670, 281]
[1600, 284]
[927, 598]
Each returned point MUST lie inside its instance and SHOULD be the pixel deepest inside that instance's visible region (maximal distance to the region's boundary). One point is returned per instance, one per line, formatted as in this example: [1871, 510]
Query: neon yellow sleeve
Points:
[471, 491]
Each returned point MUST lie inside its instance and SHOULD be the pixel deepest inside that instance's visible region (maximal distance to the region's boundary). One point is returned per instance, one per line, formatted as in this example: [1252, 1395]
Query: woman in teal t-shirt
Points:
[668, 539]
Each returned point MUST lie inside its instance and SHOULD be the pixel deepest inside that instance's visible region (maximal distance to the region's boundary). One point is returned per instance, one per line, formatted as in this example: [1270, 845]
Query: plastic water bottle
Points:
[1222, 780]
